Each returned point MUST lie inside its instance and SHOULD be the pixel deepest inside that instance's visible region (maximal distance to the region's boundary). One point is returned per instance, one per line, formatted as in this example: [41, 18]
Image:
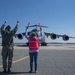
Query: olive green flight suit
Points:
[7, 49]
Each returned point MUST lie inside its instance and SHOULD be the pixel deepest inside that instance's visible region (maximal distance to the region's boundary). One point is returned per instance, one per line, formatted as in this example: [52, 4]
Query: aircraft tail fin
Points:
[38, 25]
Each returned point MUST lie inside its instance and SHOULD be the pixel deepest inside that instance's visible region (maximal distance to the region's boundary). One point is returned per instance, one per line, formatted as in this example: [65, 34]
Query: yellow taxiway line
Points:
[15, 61]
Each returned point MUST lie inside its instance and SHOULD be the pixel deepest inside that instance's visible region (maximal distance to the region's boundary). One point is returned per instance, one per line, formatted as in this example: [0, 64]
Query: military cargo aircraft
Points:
[42, 41]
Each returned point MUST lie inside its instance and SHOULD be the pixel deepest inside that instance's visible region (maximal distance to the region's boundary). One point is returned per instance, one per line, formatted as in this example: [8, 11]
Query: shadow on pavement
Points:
[1, 73]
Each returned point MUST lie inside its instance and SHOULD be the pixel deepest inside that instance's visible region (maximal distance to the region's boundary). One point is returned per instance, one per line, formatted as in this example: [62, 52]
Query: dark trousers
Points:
[33, 58]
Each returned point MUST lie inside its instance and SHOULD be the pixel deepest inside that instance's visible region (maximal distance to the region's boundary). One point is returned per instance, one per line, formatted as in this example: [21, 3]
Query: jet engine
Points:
[65, 37]
[20, 36]
[53, 36]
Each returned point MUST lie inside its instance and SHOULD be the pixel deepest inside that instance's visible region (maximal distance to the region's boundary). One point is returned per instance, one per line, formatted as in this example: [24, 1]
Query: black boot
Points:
[35, 71]
[30, 71]
[4, 71]
[8, 70]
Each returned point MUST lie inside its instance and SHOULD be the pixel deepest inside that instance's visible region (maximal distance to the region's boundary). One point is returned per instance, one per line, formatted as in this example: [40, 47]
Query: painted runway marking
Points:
[15, 61]
[20, 59]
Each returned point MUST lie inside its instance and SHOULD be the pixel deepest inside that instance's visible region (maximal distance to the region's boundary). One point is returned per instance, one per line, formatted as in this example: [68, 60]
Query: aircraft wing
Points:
[54, 36]
[19, 35]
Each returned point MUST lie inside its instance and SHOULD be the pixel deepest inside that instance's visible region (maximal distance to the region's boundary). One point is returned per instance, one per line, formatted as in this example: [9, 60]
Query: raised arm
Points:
[2, 27]
[26, 35]
[16, 28]
[26, 31]
[40, 37]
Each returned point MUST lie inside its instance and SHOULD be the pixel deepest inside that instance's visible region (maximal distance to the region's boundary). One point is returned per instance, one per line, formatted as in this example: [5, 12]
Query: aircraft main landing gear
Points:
[44, 44]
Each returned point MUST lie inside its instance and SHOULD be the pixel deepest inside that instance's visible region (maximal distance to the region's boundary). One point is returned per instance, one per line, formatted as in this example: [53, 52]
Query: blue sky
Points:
[58, 15]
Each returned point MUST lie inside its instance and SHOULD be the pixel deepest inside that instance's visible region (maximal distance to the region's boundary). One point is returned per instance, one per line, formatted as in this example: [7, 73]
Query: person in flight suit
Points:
[33, 48]
[7, 45]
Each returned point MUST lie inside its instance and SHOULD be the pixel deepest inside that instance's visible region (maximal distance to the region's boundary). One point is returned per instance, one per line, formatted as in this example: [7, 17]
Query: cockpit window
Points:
[35, 30]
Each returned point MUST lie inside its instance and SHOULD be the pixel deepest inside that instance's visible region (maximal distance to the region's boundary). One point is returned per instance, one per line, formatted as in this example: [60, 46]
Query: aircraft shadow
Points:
[22, 45]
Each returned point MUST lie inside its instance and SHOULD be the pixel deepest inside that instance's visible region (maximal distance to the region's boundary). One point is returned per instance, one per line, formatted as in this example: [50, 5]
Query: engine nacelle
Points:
[65, 37]
[20, 36]
[53, 36]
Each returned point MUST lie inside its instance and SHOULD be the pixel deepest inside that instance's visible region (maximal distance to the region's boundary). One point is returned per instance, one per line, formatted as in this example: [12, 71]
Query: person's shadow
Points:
[1, 73]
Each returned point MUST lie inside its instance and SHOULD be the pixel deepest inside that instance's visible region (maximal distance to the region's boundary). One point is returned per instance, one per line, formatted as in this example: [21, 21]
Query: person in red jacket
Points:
[33, 48]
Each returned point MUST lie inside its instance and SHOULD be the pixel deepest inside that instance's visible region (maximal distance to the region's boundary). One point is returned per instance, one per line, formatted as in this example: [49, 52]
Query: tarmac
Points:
[54, 59]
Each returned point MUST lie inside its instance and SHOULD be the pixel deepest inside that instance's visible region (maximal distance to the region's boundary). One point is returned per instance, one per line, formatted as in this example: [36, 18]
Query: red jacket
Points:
[34, 43]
